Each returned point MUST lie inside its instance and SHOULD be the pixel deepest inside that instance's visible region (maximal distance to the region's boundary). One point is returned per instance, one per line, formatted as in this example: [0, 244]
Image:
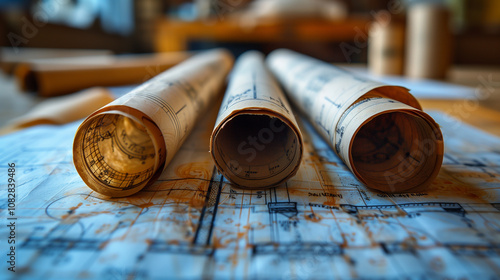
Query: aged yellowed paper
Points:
[379, 131]
[124, 146]
[256, 142]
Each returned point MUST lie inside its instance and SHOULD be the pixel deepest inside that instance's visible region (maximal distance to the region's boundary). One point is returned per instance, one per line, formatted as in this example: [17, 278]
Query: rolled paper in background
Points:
[428, 41]
[62, 109]
[386, 39]
[379, 131]
[67, 75]
[11, 57]
[124, 146]
[256, 142]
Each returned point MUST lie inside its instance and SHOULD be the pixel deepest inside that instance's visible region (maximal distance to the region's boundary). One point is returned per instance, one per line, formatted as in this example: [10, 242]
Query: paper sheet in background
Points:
[421, 88]
[321, 224]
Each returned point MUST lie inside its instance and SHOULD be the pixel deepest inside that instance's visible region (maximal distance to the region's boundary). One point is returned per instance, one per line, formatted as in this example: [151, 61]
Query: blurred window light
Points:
[116, 16]
[187, 11]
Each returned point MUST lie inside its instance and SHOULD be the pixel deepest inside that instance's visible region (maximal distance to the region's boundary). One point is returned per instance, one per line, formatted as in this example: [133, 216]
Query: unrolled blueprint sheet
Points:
[192, 223]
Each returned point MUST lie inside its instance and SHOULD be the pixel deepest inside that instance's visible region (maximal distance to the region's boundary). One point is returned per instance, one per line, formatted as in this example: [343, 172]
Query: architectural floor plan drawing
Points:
[321, 224]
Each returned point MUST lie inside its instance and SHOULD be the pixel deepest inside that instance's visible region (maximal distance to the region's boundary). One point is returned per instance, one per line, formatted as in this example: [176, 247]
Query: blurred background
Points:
[315, 27]
[452, 40]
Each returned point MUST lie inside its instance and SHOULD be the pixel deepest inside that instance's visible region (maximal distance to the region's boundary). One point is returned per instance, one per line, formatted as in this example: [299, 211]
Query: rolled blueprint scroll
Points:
[124, 146]
[67, 75]
[379, 131]
[256, 142]
[62, 109]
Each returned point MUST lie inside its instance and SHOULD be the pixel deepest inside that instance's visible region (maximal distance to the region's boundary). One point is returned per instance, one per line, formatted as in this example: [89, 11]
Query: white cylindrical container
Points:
[428, 51]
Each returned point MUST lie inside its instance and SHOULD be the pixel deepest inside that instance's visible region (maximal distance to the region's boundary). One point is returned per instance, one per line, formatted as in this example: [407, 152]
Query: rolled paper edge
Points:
[439, 152]
[256, 111]
[26, 78]
[398, 93]
[90, 180]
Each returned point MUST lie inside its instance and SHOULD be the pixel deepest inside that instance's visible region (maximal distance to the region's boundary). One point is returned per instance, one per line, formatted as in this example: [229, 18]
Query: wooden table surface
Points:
[468, 111]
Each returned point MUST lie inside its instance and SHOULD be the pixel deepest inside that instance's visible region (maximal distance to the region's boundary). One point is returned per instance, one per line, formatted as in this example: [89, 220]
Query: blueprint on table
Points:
[193, 224]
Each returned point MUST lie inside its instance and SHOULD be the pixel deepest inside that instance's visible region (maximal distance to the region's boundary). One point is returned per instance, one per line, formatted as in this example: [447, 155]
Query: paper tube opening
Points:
[256, 150]
[26, 78]
[397, 151]
[115, 154]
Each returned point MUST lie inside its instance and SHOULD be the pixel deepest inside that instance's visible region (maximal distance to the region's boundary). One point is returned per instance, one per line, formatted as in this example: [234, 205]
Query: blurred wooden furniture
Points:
[471, 112]
[174, 35]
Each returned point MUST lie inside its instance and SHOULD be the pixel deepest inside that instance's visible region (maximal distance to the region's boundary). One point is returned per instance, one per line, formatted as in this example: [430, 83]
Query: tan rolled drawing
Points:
[256, 142]
[124, 146]
[66, 75]
[378, 130]
[428, 41]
